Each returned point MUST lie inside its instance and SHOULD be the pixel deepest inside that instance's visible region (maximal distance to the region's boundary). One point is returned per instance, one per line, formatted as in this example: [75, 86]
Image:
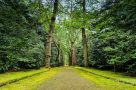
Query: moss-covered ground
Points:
[5, 77]
[105, 83]
[29, 83]
[75, 78]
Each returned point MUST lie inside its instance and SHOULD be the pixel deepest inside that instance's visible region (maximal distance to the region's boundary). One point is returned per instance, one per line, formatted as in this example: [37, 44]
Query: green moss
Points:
[31, 83]
[15, 75]
[119, 76]
[107, 83]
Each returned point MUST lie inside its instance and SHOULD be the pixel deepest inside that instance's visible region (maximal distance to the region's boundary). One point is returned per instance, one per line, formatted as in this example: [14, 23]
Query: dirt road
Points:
[68, 79]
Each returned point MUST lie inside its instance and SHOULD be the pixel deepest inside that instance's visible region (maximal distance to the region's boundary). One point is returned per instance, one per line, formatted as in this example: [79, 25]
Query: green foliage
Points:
[80, 56]
[21, 43]
[54, 53]
[114, 43]
[111, 42]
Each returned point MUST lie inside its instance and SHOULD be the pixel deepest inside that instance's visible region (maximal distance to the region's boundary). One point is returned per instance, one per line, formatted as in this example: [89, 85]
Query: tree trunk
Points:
[73, 56]
[49, 37]
[59, 55]
[84, 41]
[85, 49]
[70, 58]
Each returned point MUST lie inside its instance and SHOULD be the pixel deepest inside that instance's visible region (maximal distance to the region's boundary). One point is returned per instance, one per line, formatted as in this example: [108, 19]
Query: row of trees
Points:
[23, 31]
[94, 33]
[69, 23]
[28, 37]
[110, 39]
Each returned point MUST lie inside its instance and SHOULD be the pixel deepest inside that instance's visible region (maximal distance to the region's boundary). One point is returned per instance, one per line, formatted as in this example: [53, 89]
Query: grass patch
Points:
[107, 83]
[31, 83]
[10, 76]
[118, 76]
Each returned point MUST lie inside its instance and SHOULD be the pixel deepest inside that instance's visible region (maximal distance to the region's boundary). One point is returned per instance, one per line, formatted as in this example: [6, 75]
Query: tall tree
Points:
[84, 40]
[50, 32]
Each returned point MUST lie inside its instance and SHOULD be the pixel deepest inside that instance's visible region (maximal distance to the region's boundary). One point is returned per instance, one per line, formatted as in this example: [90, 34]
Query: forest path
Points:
[67, 79]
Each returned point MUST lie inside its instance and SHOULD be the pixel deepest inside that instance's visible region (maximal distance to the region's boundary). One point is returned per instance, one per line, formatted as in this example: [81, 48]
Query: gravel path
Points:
[67, 79]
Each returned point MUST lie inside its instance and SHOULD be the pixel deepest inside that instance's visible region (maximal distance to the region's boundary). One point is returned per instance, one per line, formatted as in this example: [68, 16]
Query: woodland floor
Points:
[68, 79]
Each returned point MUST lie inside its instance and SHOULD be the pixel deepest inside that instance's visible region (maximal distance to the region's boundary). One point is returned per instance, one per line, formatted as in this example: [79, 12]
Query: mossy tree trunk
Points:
[49, 37]
[73, 56]
[84, 40]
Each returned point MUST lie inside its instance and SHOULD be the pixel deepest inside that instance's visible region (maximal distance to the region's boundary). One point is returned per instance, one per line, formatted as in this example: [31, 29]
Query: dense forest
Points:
[50, 33]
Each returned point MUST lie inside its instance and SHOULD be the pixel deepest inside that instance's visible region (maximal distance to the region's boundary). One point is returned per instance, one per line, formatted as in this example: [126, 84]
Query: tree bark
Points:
[70, 58]
[84, 40]
[58, 55]
[85, 49]
[49, 37]
[73, 56]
